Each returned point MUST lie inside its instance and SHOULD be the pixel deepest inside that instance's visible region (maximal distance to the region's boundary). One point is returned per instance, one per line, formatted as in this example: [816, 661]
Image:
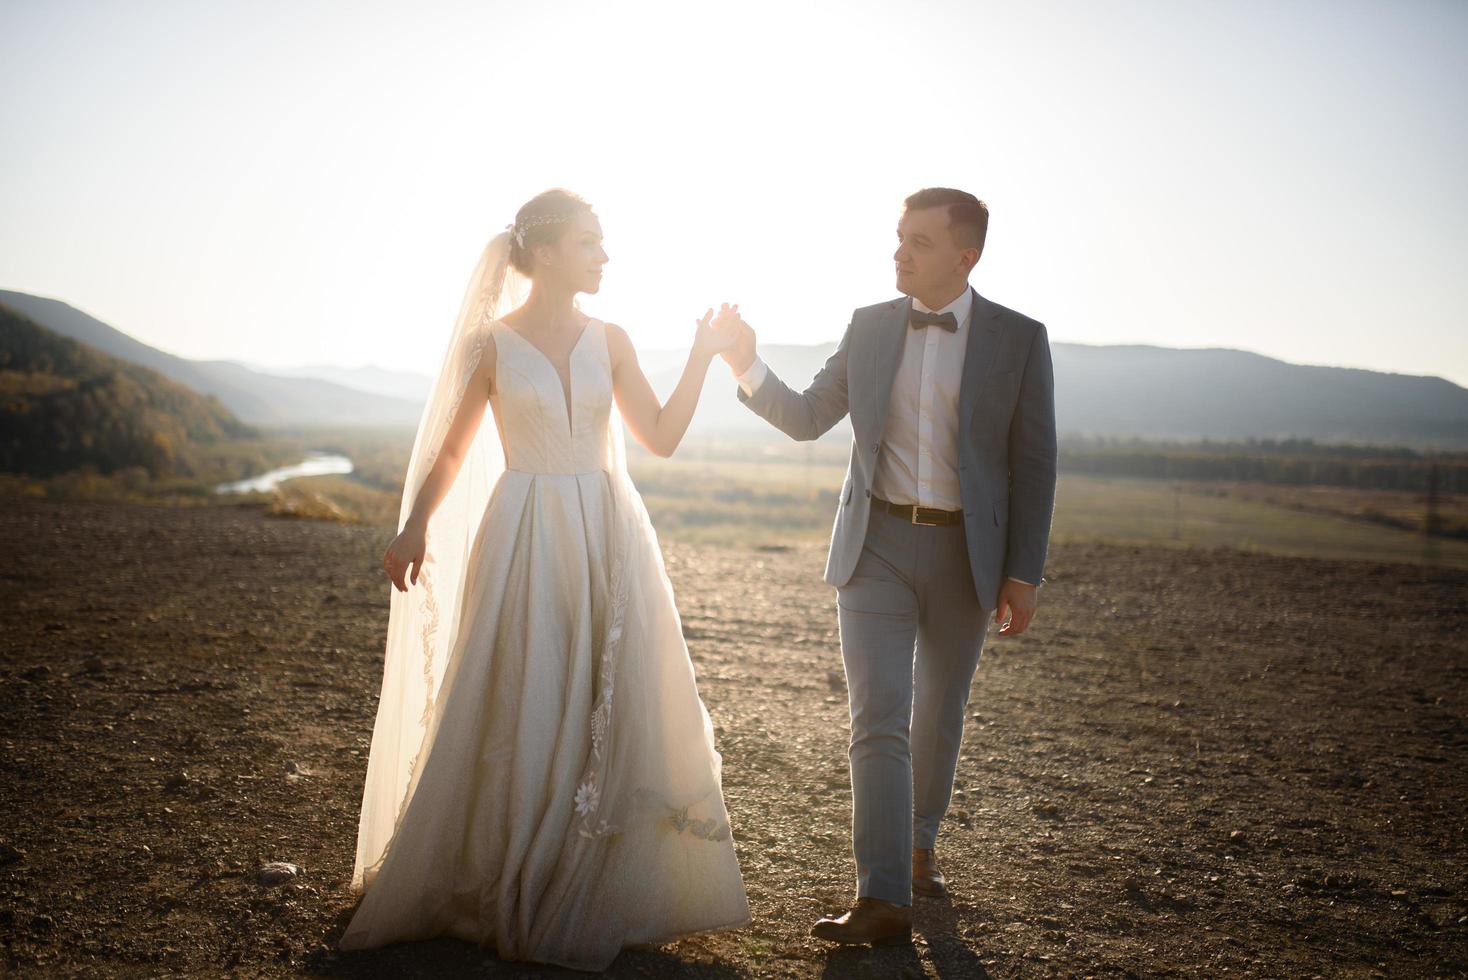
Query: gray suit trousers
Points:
[912, 629]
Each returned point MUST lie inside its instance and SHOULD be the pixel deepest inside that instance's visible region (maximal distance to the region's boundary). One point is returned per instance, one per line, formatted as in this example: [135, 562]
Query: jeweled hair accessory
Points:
[519, 228]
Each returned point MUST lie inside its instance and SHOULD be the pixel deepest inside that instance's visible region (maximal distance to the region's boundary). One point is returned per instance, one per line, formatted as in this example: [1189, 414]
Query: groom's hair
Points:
[968, 217]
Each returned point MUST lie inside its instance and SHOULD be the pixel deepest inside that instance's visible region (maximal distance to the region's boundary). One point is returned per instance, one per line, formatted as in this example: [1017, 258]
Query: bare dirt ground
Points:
[1196, 763]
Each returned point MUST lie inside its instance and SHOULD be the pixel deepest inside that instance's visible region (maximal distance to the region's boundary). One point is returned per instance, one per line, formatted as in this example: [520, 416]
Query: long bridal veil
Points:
[423, 622]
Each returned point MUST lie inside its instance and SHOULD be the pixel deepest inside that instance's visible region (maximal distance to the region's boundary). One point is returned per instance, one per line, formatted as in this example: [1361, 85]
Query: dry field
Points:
[1198, 763]
[1387, 508]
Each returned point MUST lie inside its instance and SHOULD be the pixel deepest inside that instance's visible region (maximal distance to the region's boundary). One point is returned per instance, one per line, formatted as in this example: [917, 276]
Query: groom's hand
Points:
[741, 354]
[1017, 605]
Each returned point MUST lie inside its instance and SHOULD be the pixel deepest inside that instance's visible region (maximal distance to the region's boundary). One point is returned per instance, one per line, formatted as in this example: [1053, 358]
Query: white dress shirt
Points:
[918, 461]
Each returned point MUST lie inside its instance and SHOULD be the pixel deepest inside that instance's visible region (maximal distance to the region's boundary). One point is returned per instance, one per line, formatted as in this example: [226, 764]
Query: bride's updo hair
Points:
[539, 220]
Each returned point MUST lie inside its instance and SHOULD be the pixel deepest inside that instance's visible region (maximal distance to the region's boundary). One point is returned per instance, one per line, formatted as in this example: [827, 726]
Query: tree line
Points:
[1296, 462]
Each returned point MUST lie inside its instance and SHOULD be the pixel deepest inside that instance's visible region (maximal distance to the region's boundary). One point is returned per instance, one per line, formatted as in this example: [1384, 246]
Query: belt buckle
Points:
[918, 510]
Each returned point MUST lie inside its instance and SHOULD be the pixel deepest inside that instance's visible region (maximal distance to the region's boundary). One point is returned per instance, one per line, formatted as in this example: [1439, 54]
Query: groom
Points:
[944, 518]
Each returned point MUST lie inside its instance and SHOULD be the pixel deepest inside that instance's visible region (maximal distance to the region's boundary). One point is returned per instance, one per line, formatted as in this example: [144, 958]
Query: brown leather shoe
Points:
[926, 878]
[871, 921]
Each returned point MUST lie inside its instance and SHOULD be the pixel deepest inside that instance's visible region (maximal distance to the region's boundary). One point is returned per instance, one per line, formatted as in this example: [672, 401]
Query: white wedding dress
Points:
[566, 801]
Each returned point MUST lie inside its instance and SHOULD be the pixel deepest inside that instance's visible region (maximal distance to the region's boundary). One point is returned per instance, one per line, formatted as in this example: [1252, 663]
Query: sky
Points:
[289, 183]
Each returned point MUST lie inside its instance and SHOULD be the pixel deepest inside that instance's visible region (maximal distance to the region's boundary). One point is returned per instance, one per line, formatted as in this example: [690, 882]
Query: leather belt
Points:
[926, 516]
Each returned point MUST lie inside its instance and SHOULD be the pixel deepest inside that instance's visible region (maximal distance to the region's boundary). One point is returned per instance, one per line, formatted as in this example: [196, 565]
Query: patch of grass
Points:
[738, 502]
[1134, 510]
[1406, 510]
[770, 502]
[334, 498]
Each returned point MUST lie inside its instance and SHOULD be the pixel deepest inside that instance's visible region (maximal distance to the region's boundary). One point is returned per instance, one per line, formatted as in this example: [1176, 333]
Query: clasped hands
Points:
[716, 335]
[738, 353]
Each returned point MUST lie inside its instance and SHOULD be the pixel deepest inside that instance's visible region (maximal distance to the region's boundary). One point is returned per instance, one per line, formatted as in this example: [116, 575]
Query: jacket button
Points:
[868, 493]
[875, 446]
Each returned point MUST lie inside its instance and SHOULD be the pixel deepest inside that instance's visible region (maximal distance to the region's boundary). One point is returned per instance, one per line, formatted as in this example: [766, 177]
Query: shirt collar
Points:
[960, 307]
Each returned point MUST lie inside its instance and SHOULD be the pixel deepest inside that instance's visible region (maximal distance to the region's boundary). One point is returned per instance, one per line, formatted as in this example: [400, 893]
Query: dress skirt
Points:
[567, 801]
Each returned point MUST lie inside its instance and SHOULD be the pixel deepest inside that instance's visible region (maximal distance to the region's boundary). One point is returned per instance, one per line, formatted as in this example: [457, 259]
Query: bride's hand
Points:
[717, 334]
[728, 318]
[407, 549]
[740, 354]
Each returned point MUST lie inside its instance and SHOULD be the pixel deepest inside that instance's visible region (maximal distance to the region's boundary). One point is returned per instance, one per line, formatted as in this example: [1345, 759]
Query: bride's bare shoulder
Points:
[485, 342]
[619, 345]
[616, 336]
[488, 357]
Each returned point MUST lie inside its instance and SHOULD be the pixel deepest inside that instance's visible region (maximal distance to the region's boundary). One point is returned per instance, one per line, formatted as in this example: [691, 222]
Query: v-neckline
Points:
[568, 386]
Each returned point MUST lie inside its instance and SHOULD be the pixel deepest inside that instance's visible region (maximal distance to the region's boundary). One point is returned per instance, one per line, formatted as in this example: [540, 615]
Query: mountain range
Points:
[67, 405]
[1111, 391]
[257, 397]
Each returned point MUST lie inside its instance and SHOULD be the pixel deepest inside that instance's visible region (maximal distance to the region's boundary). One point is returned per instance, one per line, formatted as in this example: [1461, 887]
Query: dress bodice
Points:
[540, 434]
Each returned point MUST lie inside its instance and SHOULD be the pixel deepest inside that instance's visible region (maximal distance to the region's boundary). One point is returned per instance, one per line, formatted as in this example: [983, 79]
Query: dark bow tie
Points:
[918, 319]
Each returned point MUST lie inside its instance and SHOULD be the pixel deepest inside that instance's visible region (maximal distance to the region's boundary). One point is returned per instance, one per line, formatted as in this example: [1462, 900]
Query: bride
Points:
[543, 779]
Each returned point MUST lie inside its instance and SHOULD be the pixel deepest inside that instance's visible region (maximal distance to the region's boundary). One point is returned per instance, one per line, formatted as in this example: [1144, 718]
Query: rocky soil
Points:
[1194, 764]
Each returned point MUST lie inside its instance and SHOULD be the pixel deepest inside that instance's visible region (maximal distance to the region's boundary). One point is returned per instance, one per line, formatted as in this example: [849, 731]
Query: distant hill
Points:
[1111, 391]
[1166, 393]
[406, 385]
[1161, 392]
[64, 405]
[256, 397]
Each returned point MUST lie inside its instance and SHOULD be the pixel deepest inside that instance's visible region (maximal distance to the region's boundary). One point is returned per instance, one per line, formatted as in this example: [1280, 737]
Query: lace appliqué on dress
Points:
[589, 794]
[708, 829]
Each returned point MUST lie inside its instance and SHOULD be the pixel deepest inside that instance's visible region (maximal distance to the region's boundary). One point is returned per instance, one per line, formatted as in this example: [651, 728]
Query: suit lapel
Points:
[978, 358]
[886, 353]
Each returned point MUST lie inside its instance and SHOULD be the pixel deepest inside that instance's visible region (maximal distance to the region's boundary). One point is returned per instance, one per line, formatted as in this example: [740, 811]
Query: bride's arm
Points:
[661, 427]
[409, 546]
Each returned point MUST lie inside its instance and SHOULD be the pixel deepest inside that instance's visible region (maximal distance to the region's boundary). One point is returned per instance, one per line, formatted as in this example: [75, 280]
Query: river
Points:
[315, 464]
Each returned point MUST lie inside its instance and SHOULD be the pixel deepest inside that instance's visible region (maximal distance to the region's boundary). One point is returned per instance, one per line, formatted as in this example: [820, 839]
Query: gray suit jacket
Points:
[1006, 451]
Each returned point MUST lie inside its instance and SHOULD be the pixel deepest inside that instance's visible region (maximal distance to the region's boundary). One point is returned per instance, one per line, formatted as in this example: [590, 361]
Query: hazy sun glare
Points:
[298, 183]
